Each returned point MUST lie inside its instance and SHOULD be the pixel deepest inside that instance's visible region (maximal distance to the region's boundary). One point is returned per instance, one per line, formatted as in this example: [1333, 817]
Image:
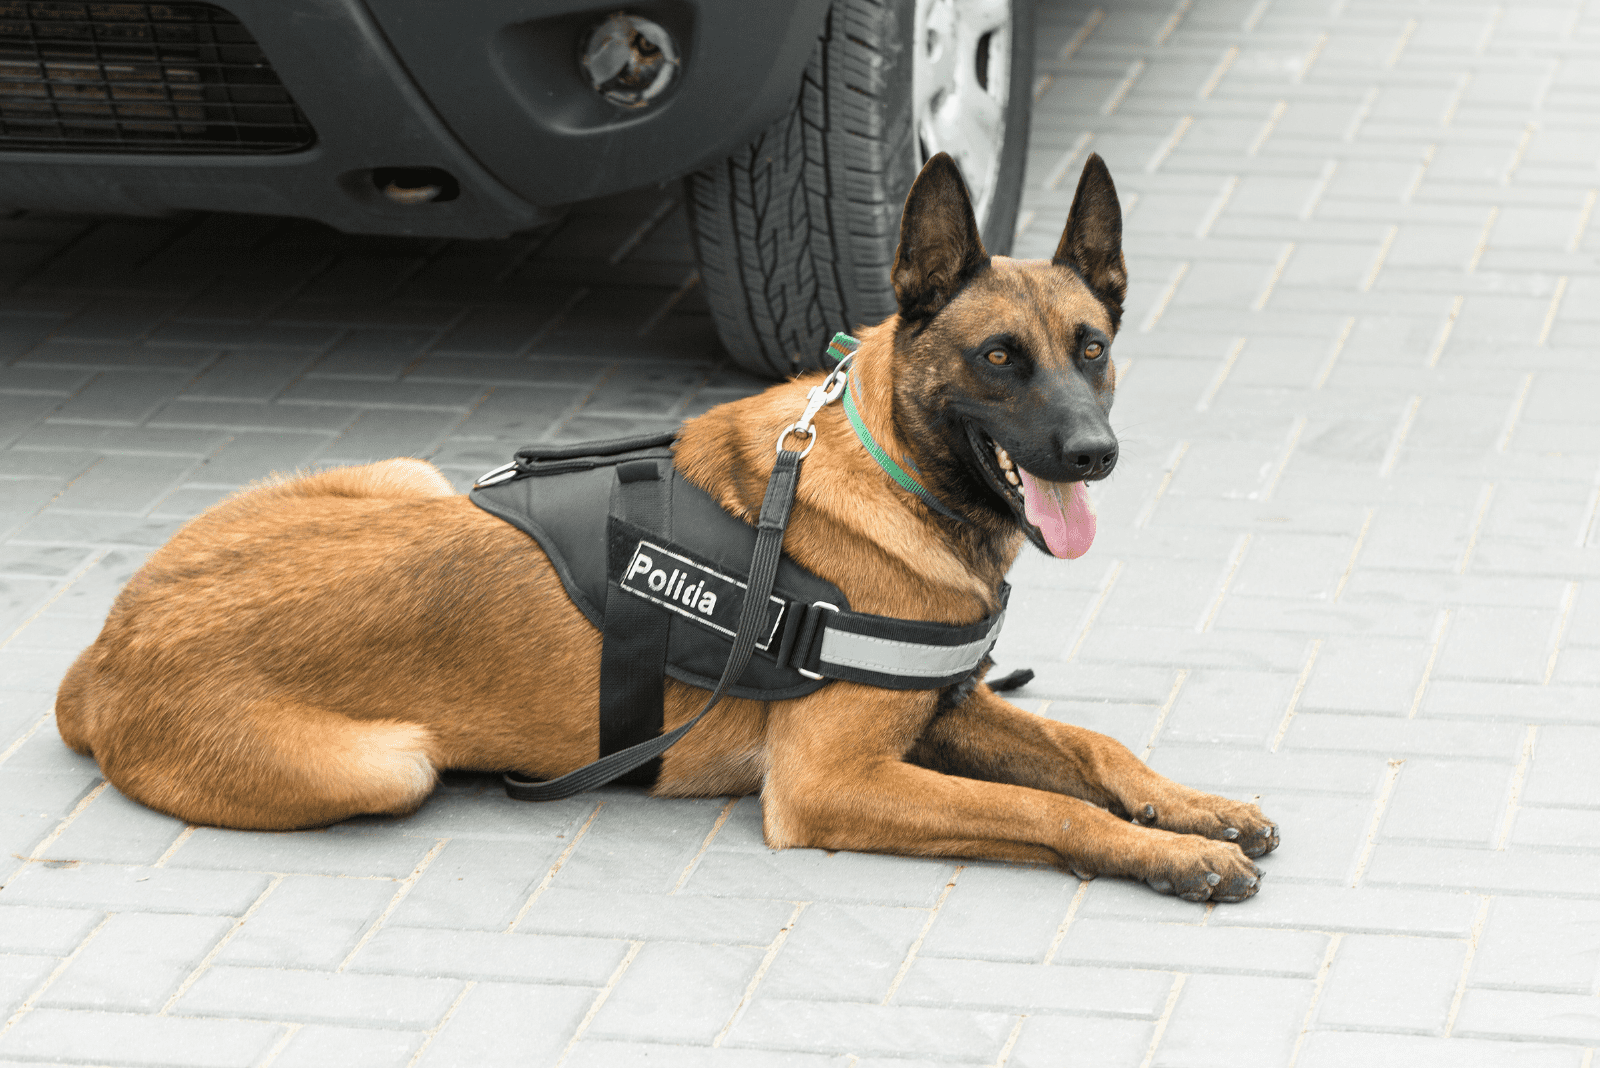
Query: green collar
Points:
[842, 348]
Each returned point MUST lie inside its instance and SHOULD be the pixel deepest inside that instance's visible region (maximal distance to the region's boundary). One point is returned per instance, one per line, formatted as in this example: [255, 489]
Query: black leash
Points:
[770, 527]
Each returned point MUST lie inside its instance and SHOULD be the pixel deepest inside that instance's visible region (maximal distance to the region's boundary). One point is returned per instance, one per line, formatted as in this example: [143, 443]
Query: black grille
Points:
[139, 78]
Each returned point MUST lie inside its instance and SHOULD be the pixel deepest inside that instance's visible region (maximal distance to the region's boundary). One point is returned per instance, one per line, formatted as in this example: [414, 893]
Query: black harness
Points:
[666, 574]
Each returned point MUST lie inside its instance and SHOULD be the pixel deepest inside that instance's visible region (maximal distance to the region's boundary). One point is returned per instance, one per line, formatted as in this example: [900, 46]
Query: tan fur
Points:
[319, 647]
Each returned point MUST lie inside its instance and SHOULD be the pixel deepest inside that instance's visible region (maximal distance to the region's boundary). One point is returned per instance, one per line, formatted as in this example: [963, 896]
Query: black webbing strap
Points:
[774, 520]
[633, 650]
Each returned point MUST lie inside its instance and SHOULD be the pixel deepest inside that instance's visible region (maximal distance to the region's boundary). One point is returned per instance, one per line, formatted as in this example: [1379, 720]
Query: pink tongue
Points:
[1063, 513]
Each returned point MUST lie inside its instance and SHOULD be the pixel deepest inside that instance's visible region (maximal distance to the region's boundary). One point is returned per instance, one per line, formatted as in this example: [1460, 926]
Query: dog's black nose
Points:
[1090, 456]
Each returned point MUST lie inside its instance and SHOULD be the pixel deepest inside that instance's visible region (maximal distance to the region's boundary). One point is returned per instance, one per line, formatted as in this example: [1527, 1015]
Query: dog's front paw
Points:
[1211, 816]
[1199, 870]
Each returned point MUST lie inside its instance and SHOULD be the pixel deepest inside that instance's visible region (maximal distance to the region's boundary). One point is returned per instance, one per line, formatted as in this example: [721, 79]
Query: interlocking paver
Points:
[135, 962]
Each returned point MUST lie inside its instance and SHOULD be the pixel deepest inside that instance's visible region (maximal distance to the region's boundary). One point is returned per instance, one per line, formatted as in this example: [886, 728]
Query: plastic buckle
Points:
[498, 475]
[820, 625]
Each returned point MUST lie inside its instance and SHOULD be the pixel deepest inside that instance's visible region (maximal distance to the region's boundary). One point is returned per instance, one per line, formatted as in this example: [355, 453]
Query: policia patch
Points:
[660, 568]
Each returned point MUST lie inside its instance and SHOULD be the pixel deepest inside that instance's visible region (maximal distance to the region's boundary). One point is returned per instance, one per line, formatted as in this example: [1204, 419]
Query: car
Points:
[797, 127]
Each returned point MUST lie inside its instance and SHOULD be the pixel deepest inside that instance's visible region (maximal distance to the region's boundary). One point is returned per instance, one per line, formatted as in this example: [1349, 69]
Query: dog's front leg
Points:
[837, 779]
[987, 737]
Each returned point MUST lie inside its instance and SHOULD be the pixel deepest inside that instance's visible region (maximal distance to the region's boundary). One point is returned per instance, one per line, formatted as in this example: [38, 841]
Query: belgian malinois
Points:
[319, 647]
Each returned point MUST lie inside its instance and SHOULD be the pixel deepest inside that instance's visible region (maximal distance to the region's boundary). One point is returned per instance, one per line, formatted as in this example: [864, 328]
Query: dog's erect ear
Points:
[1091, 244]
[940, 249]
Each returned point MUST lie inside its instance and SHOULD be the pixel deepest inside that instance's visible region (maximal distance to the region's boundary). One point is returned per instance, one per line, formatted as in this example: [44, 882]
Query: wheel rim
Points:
[961, 83]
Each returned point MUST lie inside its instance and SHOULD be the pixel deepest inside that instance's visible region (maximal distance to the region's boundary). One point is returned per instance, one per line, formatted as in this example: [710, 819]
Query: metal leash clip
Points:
[819, 397]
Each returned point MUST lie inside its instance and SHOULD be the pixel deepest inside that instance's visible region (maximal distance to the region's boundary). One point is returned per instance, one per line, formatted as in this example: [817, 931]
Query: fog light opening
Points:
[411, 186]
[629, 60]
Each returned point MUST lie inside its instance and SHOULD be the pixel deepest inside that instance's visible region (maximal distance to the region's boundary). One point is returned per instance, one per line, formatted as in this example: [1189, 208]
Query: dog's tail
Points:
[401, 477]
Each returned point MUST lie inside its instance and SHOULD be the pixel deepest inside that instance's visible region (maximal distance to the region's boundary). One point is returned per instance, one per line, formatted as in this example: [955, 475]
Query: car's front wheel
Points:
[796, 234]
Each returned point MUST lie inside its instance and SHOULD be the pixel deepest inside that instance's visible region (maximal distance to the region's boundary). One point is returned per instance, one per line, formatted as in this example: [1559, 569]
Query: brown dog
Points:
[319, 647]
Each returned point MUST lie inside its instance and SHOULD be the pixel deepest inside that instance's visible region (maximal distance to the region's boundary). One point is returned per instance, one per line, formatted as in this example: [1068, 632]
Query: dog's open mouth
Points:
[1058, 517]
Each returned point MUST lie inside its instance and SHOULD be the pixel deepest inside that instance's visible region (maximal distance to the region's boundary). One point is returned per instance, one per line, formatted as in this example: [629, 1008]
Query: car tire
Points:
[796, 233]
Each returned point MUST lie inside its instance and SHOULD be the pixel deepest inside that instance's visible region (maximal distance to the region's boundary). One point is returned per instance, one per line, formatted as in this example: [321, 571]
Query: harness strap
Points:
[774, 519]
[633, 650]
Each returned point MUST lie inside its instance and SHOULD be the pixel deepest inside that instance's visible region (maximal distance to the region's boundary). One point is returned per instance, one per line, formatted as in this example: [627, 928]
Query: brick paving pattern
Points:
[1349, 563]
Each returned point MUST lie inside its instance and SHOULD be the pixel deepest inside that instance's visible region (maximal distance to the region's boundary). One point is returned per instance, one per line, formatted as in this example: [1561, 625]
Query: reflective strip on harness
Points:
[915, 660]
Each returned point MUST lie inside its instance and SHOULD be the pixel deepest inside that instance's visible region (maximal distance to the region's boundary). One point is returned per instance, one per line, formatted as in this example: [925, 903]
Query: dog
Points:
[320, 647]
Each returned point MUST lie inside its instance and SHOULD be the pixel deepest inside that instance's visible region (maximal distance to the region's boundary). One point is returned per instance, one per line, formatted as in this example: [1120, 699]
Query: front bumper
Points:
[489, 92]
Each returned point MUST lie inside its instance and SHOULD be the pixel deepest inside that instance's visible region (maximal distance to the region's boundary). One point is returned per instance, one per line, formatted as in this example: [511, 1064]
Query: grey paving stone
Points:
[135, 962]
[640, 844]
[1518, 871]
[1549, 945]
[388, 1001]
[28, 929]
[658, 1055]
[677, 992]
[248, 376]
[308, 921]
[121, 397]
[533, 958]
[1201, 1032]
[813, 875]
[1526, 1015]
[1049, 1041]
[115, 830]
[1368, 910]
[33, 803]
[97, 886]
[1448, 801]
[321, 1046]
[1033, 902]
[1334, 1049]
[20, 976]
[896, 1031]
[88, 1037]
[1391, 983]
[843, 953]
[374, 853]
[1034, 988]
[493, 1018]
[681, 917]
[130, 484]
[1175, 947]
[1562, 771]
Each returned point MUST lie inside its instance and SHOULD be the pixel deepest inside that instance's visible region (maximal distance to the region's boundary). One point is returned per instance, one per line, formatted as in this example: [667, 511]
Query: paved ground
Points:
[1349, 563]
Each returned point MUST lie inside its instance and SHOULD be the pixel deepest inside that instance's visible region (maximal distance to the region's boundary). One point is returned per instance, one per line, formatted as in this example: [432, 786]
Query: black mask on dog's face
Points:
[1008, 361]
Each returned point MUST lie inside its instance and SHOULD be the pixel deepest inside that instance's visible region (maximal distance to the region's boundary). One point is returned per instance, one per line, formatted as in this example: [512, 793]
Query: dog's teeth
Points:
[1011, 477]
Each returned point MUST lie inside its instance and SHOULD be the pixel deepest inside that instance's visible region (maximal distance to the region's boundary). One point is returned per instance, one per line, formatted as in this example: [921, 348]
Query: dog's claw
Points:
[1149, 812]
[1086, 876]
[1212, 878]
[1231, 833]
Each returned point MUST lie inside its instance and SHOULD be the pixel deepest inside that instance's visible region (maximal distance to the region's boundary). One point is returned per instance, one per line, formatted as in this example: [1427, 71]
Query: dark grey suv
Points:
[798, 124]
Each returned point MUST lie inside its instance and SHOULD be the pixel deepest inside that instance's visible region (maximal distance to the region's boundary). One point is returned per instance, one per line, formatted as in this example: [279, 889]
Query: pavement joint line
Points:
[1066, 921]
[1092, 613]
[555, 868]
[1483, 238]
[1355, 551]
[685, 287]
[632, 242]
[1510, 426]
[1289, 445]
[1446, 330]
[922, 935]
[1316, 996]
[1559, 630]
[1583, 220]
[1167, 294]
[1166, 710]
[1588, 1058]
[1487, 36]
[1164, 1019]
[279, 1046]
[1384, 246]
[1312, 56]
[1219, 72]
[1267, 127]
[1277, 273]
[761, 972]
[222, 943]
[1024, 221]
[1059, 171]
[1318, 188]
[66, 962]
[37, 853]
[83, 569]
[1294, 698]
[1550, 315]
[1440, 627]
[1485, 497]
[1011, 1042]
[1220, 376]
[576, 297]
[1517, 153]
[1167, 146]
[1076, 41]
[1370, 841]
[1400, 45]
[1585, 526]
[1168, 472]
[22, 738]
[1466, 964]
[177, 844]
[694, 862]
[1254, 17]
[1392, 455]
[1241, 545]
[1334, 352]
[1120, 92]
[433, 1032]
[1448, 116]
[1514, 793]
[1209, 219]
[571, 411]
[1169, 27]
[1421, 173]
[394, 901]
[1363, 109]
[1041, 86]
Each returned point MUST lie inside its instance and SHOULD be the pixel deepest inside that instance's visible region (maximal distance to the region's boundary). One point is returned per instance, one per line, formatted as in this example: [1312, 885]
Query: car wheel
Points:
[796, 234]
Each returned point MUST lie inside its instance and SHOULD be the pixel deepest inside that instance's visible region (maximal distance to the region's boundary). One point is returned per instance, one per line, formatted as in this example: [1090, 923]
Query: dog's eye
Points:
[1093, 350]
[999, 357]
